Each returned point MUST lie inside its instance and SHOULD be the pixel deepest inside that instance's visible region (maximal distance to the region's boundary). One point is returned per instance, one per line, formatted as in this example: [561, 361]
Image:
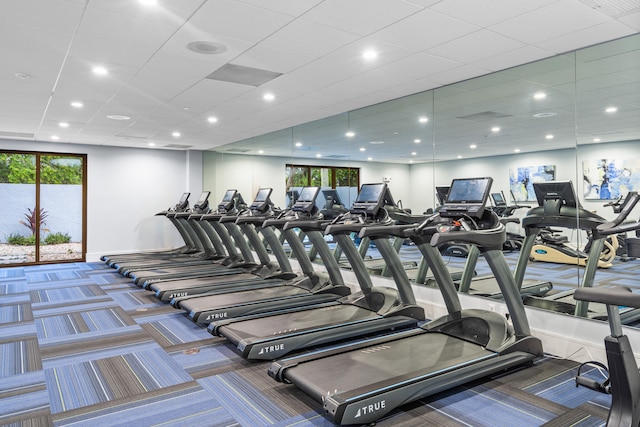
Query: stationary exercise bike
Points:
[623, 382]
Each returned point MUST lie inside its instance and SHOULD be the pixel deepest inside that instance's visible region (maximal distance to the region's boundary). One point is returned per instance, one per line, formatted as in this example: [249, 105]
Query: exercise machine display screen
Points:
[467, 196]
[498, 200]
[559, 193]
[307, 199]
[441, 194]
[227, 201]
[370, 199]
[202, 201]
[261, 201]
[333, 196]
[184, 198]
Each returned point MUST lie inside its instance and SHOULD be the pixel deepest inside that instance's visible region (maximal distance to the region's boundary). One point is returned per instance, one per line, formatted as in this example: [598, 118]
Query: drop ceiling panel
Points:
[51, 15]
[424, 30]
[550, 22]
[33, 40]
[479, 45]
[228, 18]
[361, 16]
[208, 94]
[488, 12]
[587, 36]
[514, 58]
[273, 59]
[288, 7]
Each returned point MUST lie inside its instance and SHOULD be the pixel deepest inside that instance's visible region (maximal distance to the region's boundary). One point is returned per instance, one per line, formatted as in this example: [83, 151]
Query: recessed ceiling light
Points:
[369, 158]
[212, 119]
[611, 109]
[318, 155]
[517, 150]
[350, 134]
[417, 141]
[63, 124]
[545, 114]
[472, 146]
[152, 144]
[539, 95]
[410, 161]
[186, 108]
[370, 54]
[495, 129]
[268, 97]
[260, 151]
[100, 71]
[376, 142]
[413, 153]
[549, 136]
[118, 117]
[176, 134]
[22, 76]
[298, 144]
[363, 149]
[55, 137]
[596, 140]
[77, 104]
[423, 119]
[459, 156]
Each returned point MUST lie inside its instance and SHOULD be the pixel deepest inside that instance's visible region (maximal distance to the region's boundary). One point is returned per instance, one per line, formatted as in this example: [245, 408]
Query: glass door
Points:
[43, 209]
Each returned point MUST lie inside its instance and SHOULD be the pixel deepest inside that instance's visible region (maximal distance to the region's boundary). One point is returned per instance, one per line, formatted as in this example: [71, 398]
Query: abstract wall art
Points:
[521, 180]
[608, 179]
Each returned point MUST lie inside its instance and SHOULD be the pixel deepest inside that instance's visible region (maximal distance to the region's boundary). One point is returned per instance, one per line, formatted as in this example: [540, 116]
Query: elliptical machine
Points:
[623, 382]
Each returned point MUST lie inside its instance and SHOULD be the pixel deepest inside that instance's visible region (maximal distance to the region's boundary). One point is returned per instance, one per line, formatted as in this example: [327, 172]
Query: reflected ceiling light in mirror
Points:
[363, 149]
[318, 155]
[459, 156]
[516, 150]
[350, 134]
[99, 70]
[149, 2]
[611, 109]
[548, 136]
[413, 153]
[55, 137]
[369, 158]
[260, 151]
[268, 97]
[298, 144]
[63, 124]
[118, 117]
[175, 134]
[410, 161]
[376, 142]
[76, 104]
[417, 141]
[22, 76]
[495, 129]
[369, 54]
[152, 144]
[423, 119]
[539, 95]
[473, 146]
[544, 114]
[597, 139]
[212, 119]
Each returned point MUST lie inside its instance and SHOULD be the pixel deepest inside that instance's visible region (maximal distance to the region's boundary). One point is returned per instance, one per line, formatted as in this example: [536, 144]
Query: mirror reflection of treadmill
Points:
[476, 194]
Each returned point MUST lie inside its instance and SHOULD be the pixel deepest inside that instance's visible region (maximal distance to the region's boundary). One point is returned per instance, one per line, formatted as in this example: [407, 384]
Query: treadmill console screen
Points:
[370, 199]
[183, 203]
[202, 202]
[307, 199]
[261, 201]
[467, 196]
[441, 194]
[227, 201]
[560, 191]
[332, 195]
[498, 200]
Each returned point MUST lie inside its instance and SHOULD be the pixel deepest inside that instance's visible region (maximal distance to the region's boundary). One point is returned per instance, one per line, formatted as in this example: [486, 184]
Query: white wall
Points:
[125, 188]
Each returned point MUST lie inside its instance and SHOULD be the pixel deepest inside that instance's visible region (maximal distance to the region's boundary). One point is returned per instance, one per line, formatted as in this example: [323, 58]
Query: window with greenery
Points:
[321, 176]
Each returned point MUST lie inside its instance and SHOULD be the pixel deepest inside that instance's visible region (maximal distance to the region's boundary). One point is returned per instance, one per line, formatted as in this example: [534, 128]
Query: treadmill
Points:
[559, 208]
[313, 288]
[189, 246]
[202, 251]
[266, 274]
[360, 382]
[372, 310]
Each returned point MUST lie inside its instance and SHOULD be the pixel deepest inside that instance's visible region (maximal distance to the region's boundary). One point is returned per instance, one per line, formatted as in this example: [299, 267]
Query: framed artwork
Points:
[608, 179]
[521, 180]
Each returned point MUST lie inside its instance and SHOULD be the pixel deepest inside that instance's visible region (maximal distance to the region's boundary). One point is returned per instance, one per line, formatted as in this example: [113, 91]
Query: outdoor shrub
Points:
[31, 219]
[18, 240]
[57, 238]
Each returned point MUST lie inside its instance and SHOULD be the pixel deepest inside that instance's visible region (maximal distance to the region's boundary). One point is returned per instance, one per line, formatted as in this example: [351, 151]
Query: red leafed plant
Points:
[30, 223]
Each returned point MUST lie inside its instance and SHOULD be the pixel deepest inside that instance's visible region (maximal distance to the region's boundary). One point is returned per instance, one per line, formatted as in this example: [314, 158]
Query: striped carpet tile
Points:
[102, 380]
[82, 322]
[19, 356]
[66, 294]
[12, 287]
[173, 329]
[186, 404]
[16, 313]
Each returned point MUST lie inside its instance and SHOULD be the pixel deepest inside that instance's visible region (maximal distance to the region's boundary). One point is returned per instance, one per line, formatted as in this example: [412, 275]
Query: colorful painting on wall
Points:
[608, 179]
[521, 180]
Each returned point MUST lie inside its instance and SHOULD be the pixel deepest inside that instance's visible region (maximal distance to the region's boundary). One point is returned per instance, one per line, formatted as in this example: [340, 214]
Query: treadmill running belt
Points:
[356, 373]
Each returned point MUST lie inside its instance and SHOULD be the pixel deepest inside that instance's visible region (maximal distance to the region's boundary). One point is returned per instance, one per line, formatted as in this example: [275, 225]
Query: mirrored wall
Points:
[572, 117]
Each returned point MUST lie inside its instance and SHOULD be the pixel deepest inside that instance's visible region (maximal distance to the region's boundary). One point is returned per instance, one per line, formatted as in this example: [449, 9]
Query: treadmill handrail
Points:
[618, 296]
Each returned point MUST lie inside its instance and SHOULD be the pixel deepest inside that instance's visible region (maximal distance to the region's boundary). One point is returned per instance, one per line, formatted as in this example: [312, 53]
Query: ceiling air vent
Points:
[614, 8]
[334, 156]
[243, 75]
[178, 146]
[18, 135]
[237, 150]
[484, 116]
